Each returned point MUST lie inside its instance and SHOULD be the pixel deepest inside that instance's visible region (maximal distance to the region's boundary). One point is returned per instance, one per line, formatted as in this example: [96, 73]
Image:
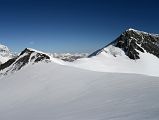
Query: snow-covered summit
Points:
[141, 32]
[5, 54]
[4, 48]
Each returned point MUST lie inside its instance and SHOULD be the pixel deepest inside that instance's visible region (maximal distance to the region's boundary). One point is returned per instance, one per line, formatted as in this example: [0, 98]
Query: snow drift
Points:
[48, 91]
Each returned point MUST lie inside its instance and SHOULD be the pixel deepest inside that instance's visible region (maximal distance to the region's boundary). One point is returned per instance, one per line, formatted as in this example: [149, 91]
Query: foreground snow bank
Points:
[48, 91]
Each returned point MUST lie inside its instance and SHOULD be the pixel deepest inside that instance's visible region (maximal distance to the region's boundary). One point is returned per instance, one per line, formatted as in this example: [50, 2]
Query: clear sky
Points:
[72, 25]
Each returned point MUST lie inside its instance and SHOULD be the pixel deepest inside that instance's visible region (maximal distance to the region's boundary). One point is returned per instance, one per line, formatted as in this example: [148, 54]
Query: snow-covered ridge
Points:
[27, 56]
[142, 32]
[132, 52]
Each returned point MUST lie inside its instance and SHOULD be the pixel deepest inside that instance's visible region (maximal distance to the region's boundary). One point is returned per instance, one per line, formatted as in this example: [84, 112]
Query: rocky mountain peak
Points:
[132, 42]
[27, 56]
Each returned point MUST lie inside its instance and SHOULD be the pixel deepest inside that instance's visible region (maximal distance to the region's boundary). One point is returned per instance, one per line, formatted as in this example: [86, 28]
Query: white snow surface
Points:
[48, 91]
[113, 59]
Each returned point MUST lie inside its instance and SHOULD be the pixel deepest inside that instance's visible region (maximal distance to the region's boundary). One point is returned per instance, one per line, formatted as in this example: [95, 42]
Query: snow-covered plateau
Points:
[48, 91]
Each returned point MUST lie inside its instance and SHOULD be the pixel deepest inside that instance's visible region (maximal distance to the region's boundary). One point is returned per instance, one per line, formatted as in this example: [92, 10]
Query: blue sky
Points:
[72, 25]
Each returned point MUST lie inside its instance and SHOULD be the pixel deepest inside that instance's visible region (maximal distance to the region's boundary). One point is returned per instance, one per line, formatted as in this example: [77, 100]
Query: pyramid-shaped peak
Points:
[133, 42]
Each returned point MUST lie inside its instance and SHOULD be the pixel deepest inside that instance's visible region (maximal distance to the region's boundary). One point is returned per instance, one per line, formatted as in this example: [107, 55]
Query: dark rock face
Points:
[7, 64]
[132, 41]
[38, 57]
[24, 58]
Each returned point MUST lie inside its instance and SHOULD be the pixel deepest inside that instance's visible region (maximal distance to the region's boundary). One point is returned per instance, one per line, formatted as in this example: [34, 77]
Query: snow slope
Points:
[48, 91]
[113, 59]
[132, 52]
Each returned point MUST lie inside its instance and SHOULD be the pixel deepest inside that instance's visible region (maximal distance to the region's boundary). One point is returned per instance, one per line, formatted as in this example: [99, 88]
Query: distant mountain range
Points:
[132, 52]
[41, 86]
[70, 57]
